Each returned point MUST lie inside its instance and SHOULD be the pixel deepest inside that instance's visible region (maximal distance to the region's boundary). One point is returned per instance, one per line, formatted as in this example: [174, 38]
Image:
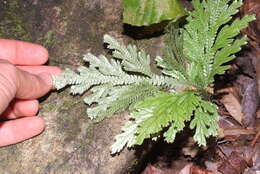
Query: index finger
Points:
[22, 53]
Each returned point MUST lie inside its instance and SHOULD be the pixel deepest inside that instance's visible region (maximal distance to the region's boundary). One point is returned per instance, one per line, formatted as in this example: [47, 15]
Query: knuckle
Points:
[8, 69]
[8, 78]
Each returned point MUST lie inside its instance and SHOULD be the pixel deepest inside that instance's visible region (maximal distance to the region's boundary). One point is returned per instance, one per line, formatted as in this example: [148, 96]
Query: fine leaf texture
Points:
[171, 111]
[114, 88]
[199, 50]
[193, 55]
[207, 43]
[112, 100]
[147, 12]
[132, 59]
[173, 62]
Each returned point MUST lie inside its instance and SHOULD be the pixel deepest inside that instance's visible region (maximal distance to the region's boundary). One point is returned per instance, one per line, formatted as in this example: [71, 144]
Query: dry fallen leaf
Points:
[233, 106]
[236, 131]
[250, 98]
[234, 164]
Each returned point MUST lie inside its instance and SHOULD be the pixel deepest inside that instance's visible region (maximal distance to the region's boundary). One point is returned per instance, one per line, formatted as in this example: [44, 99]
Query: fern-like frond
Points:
[168, 110]
[132, 59]
[104, 66]
[206, 37]
[113, 88]
[101, 71]
[205, 122]
[173, 62]
[193, 56]
[173, 58]
[126, 138]
[68, 77]
[164, 110]
[167, 70]
[113, 99]
[226, 46]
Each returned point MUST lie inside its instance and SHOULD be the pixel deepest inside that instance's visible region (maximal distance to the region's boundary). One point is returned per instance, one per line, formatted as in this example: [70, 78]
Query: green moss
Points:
[49, 39]
[12, 24]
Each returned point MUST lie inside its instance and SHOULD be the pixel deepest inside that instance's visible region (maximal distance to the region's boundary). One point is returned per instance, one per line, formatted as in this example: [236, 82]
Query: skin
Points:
[23, 79]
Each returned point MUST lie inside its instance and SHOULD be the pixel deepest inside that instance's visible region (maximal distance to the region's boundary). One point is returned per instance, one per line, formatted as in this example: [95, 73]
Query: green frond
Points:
[127, 138]
[171, 111]
[192, 57]
[225, 46]
[68, 77]
[101, 72]
[106, 67]
[173, 57]
[205, 122]
[112, 100]
[226, 54]
[178, 75]
[132, 59]
[206, 37]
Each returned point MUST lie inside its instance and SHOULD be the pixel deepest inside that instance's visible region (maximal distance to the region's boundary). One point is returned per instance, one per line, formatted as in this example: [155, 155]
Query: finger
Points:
[30, 86]
[15, 83]
[15, 131]
[21, 108]
[40, 69]
[22, 53]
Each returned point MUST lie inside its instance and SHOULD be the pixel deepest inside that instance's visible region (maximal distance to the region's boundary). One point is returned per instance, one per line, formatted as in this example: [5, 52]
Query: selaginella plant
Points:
[160, 104]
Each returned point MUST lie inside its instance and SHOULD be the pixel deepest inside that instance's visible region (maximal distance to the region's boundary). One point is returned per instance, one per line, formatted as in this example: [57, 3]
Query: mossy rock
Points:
[71, 143]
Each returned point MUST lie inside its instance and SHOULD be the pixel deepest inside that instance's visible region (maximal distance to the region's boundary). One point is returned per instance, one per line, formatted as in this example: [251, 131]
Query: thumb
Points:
[15, 83]
[30, 86]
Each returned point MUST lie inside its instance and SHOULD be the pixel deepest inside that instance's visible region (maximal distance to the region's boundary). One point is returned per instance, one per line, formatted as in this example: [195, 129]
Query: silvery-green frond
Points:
[68, 77]
[106, 67]
[113, 88]
[132, 59]
[109, 99]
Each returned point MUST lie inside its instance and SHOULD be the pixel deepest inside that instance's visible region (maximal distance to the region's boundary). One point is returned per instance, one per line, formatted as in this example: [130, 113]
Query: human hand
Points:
[23, 79]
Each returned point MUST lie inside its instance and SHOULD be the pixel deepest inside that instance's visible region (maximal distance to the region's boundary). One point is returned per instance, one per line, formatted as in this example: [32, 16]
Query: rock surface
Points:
[71, 143]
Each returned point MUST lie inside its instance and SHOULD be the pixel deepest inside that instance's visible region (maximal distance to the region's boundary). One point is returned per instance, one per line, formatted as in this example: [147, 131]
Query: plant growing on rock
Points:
[193, 55]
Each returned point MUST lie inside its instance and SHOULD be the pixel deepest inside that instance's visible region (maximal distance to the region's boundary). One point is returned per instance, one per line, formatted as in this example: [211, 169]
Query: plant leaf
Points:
[147, 12]
[132, 59]
[112, 99]
[205, 122]
[168, 111]
[208, 43]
